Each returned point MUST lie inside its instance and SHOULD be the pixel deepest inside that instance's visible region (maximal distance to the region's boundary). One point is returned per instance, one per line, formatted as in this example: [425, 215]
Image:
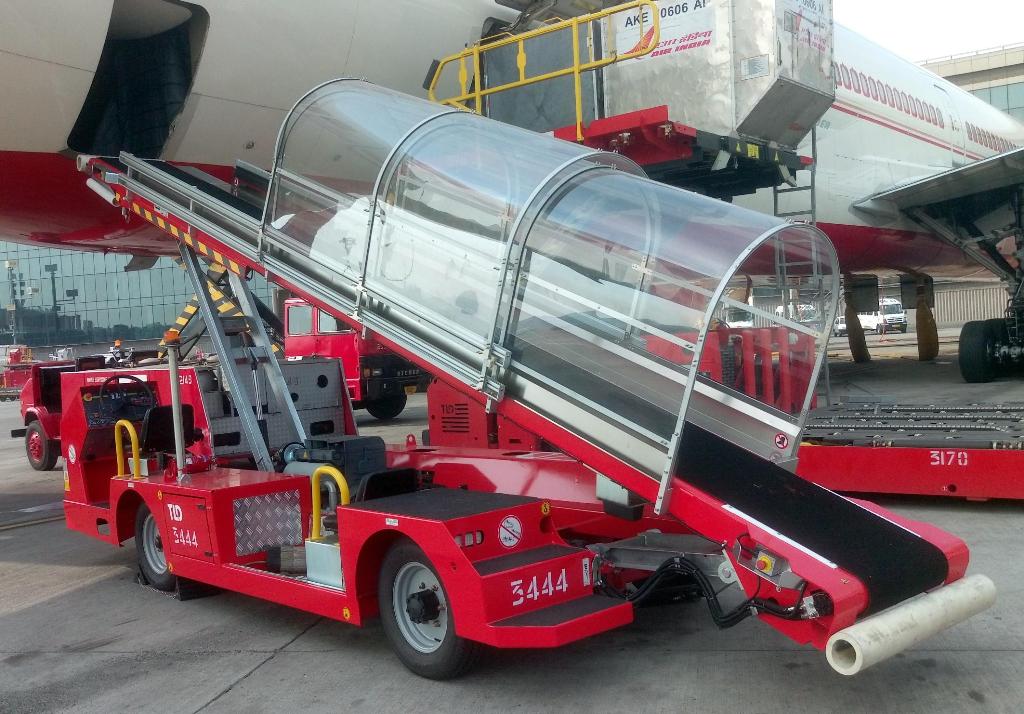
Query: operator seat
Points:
[157, 435]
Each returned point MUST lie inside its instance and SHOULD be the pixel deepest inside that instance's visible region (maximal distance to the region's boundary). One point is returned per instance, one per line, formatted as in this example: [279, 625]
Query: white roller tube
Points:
[103, 191]
[880, 636]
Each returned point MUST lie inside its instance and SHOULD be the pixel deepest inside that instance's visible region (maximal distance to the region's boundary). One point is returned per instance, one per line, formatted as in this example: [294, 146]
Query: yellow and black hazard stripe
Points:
[222, 303]
[204, 250]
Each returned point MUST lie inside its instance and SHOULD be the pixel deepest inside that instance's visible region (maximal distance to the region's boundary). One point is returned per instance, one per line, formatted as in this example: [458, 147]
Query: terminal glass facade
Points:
[59, 297]
[1008, 97]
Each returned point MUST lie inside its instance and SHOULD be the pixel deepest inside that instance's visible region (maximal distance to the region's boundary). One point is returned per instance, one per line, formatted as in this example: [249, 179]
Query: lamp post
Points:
[52, 270]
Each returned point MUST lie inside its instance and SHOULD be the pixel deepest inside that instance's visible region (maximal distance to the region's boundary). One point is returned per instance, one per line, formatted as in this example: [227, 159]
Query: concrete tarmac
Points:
[77, 633]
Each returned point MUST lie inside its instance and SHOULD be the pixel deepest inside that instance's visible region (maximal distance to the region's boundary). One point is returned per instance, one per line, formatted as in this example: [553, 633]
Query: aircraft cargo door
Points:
[950, 123]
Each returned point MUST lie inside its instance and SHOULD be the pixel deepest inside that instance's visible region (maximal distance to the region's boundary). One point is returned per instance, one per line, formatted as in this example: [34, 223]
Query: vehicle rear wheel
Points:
[975, 361]
[417, 619]
[388, 407]
[42, 452]
[149, 549]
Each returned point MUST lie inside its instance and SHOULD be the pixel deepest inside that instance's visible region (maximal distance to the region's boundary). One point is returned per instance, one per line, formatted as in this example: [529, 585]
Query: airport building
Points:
[995, 75]
[60, 297]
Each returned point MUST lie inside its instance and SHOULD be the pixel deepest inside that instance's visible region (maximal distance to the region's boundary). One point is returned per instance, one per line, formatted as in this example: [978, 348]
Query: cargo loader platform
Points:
[972, 451]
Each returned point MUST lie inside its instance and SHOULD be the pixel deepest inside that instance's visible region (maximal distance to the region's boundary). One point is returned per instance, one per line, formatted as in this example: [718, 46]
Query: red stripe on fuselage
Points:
[888, 124]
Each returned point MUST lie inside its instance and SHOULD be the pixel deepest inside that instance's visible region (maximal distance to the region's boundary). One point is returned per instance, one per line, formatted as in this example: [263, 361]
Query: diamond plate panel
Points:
[263, 522]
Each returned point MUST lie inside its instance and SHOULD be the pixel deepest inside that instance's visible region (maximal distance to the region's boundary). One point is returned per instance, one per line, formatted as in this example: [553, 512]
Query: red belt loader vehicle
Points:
[546, 281]
[378, 380]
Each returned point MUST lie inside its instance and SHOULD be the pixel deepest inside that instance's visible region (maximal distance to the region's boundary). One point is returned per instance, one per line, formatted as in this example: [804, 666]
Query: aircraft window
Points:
[972, 132]
[920, 109]
[846, 76]
[856, 82]
[938, 115]
[899, 100]
[888, 96]
[300, 320]
[873, 87]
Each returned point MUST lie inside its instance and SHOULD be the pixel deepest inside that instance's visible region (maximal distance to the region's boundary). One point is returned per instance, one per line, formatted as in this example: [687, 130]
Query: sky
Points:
[928, 29]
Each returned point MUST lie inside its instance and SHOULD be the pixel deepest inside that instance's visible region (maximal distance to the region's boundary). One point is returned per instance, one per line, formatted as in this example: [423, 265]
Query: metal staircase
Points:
[240, 340]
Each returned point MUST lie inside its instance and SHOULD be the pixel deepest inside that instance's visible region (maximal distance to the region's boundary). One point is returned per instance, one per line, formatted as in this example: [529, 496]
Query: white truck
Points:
[889, 317]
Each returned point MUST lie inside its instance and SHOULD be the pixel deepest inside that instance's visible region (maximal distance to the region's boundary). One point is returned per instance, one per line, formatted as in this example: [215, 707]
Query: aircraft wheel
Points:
[417, 620]
[974, 358]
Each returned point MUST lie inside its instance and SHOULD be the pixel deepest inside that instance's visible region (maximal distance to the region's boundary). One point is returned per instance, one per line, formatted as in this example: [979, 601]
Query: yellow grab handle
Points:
[344, 498]
[120, 426]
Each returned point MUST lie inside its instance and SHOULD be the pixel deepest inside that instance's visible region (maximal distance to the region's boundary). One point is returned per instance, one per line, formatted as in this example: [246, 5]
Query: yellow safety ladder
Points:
[468, 62]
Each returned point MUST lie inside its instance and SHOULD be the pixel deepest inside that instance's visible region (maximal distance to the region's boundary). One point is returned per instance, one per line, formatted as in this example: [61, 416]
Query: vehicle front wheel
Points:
[42, 452]
[387, 408]
[417, 620]
[149, 549]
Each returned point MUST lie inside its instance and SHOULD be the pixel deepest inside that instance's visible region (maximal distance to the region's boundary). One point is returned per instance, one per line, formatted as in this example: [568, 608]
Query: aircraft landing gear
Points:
[987, 350]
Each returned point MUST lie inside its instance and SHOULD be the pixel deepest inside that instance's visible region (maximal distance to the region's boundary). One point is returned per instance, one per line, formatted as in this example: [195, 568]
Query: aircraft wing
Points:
[976, 207]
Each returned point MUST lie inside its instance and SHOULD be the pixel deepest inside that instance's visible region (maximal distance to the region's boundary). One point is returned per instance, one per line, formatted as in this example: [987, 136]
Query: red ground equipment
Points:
[378, 380]
[41, 410]
[551, 284]
[17, 369]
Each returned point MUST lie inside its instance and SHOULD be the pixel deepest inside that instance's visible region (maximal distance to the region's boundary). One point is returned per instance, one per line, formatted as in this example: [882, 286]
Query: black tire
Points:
[149, 538]
[42, 452]
[388, 407]
[453, 655]
[975, 364]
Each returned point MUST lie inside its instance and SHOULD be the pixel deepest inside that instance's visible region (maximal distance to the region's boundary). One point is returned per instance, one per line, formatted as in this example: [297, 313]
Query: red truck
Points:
[379, 381]
[41, 410]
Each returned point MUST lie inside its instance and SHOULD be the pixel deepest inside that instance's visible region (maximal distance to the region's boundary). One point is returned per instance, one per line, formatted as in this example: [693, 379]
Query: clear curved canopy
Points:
[525, 265]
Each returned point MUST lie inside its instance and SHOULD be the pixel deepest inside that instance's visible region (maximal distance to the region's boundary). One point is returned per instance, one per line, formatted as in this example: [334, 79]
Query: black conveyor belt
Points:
[210, 189]
[891, 562]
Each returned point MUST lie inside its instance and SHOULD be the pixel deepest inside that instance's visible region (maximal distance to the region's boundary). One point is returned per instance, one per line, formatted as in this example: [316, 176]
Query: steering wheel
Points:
[116, 379]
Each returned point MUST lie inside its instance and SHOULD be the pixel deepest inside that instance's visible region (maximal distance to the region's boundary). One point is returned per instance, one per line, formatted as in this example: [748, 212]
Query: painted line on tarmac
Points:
[26, 524]
[52, 506]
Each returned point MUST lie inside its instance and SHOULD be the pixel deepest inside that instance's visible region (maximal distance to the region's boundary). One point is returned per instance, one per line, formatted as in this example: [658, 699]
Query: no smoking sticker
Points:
[510, 531]
[781, 441]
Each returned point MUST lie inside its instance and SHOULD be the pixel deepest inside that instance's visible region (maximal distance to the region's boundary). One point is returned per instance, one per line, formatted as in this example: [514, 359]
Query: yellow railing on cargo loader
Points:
[344, 496]
[470, 84]
[123, 425]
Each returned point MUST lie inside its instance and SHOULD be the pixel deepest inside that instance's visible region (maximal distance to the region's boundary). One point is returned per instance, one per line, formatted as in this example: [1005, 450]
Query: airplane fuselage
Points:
[891, 121]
